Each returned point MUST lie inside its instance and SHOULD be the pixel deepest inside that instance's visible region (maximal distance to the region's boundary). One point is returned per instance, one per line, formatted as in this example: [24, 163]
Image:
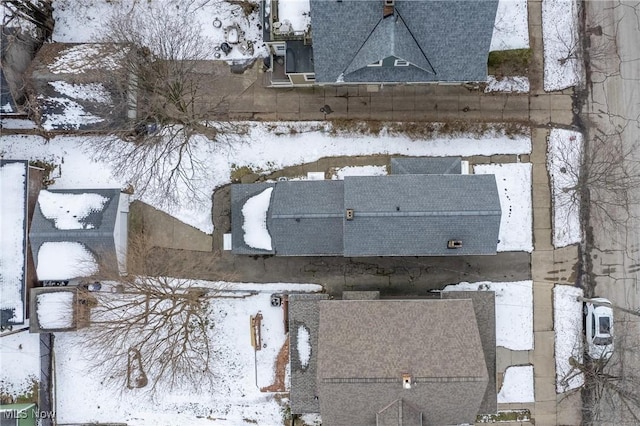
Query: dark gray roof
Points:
[397, 215]
[447, 40]
[8, 284]
[239, 195]
[484, 307]
[365, 347]
[416, 215]
[426, 166]
[305, 218]
[98, 235]
[304, 311]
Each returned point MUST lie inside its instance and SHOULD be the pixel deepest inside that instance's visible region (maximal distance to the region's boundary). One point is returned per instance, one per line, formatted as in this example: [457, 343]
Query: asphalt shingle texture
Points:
[454, 35]
[426, 166]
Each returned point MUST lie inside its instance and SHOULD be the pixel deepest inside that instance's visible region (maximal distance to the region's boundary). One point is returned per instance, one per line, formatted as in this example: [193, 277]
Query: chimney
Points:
[406, 380]
[389, 8]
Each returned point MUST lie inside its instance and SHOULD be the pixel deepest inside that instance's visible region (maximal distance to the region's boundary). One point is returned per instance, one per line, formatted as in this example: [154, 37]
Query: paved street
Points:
[242, 96]
[614, 105]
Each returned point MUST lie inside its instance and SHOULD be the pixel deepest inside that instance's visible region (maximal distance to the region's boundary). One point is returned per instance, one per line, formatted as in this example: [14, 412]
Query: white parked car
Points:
[599, 328]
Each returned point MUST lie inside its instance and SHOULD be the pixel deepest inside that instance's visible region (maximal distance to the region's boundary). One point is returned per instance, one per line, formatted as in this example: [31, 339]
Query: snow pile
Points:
[517, 385]
[71, 116]
[563, 162]
[514, 311]
[64, 260]
[562, 60]
[511, 30]
[85, 57]
[13, 182]
[20, 360]
[507, 84]
[295, 12]
[254, 224]
[360, 171]
[235, 400]
[95, 92]
[260, 149]
[55, 310]
[567, 324]
[304, 346]
[68, 210]
[514, 189]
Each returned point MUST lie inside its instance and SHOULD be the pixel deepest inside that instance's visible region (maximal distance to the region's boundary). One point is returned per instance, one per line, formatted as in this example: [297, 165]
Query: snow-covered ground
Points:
[511, 30]
[82, 21]
[562, 59]
[261, 149]
[567, 324]
[19, 363]
[514, 188]
[83, 396]
[517, 385]
[564, 154]
[507, 84]
[514, 311]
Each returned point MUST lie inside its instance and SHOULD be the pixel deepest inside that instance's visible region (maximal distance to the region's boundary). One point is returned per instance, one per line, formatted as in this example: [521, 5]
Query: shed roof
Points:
[365, 347]
[13, 242]
[447, 40]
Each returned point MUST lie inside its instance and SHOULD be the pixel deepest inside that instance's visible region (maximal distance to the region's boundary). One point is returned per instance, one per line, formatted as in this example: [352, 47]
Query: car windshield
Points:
[602, 341]
[604, 325]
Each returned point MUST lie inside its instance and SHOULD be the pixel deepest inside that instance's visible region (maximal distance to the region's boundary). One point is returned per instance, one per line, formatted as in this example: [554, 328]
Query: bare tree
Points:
[172, 92]
[151, 330]
[38, 13]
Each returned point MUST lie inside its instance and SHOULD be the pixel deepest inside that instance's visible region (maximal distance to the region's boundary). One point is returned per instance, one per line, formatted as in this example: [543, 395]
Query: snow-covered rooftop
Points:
[254, 213]
[64, 260]
[13, 217]
[69, 211]
[55, 310]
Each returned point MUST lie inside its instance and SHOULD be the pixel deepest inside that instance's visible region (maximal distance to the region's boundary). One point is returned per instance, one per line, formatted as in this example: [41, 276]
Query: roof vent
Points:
[406, 380]
[349, 214]
[454, 244]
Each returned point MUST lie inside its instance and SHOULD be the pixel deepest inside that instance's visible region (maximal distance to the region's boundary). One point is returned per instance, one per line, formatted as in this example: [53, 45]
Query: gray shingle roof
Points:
[453, 38]
[304, 311]
[416, 215]
[426, 166]
[306, 218]
[365, 347]
[397, 215]
[99, 239]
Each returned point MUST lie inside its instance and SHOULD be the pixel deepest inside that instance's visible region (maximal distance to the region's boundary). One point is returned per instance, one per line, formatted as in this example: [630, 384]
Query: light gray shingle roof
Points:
[454, 35]
[365, 347]
[426, 166]
[416, 215]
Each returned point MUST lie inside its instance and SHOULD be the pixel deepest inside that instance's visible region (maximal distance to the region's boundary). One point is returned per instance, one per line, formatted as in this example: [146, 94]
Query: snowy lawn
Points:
[511, 30]
[517, 385]
[563, 162]
[19, 363]
[507, 84]
[266, 147]
[562, 62]
[83, 397]
[514, 311]
[82, 21]
[514, 188]
[567, 324]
